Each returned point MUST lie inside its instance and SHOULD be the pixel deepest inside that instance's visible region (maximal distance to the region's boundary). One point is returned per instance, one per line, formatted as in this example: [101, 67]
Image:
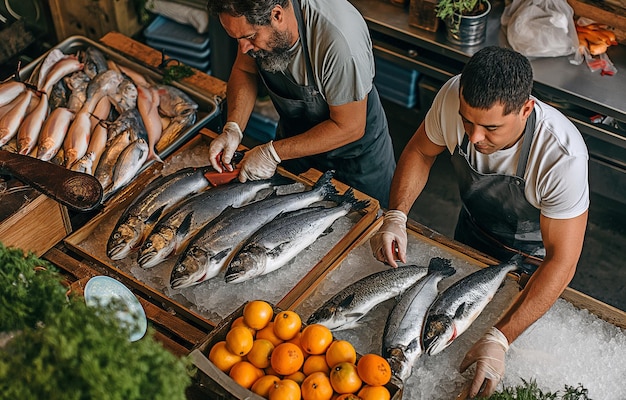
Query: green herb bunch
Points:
[452, 10]
[68, 350]
[530, 391]
[31, 290]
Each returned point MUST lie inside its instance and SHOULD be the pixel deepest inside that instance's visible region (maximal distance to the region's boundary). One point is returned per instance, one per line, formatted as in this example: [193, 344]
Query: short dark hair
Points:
[497, 75]
[256, 12]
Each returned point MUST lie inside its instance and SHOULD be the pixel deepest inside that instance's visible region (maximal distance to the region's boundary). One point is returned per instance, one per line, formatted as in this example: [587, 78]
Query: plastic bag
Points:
[540, 28]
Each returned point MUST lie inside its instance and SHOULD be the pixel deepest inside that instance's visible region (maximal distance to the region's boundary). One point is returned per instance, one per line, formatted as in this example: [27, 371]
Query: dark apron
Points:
[366, 164]
[496, 218]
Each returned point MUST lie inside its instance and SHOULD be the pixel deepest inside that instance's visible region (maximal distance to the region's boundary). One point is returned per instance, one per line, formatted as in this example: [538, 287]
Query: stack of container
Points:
[396, 83]
[179, 41]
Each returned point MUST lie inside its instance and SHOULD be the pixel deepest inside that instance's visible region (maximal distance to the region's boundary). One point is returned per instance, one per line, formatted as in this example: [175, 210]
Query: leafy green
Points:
[530, 391]
[73, 351]
[176, 72]
[31, 289]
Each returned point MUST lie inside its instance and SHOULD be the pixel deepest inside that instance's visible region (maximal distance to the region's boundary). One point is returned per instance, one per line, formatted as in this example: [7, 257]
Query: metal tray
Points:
[207, 104]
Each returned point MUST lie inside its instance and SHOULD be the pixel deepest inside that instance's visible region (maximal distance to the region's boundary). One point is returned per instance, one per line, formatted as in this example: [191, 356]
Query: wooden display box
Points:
[210, 381]
[94, 19]
[214, 299]
[36, 226]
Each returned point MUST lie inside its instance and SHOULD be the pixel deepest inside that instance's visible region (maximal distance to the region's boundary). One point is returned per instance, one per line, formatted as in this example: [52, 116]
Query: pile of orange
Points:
[277, 358]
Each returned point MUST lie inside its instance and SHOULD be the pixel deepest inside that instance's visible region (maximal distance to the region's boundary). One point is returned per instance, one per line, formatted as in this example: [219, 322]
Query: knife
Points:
[77, 190]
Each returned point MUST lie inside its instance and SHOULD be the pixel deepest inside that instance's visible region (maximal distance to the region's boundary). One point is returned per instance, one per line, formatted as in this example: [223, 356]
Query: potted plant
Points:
[466, 20]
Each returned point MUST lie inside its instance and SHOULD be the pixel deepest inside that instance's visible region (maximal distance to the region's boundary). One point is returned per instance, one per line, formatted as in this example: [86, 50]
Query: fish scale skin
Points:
[349, 305]
[458, 306]
[401, 339]
[211, 248]
[161, 194]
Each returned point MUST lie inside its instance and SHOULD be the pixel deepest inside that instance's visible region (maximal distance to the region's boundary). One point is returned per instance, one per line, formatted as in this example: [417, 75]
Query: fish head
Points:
[155, 249]
[439, 331]
[248, 263]
[123, 239]
[190, 268]
[331, 317]
[400, 366]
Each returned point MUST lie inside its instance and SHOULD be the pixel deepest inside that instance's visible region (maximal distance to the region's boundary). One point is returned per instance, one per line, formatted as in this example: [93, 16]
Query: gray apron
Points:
[496, 218]
[366, 164]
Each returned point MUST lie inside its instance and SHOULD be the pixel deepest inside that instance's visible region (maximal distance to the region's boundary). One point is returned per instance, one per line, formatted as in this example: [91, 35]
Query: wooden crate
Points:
[355, 263]
[210, 381]
[37, 226]
[94, 18]
[90, 243]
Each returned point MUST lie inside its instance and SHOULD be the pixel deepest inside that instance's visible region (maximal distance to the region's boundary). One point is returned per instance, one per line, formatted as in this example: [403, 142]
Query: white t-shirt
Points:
[340, 50]
[556, 173]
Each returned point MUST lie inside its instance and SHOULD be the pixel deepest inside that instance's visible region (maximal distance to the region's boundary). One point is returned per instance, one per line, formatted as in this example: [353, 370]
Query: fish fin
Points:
[184, 227]
[155, 216]
[441, 265]
[221, 255]
[280, 180]
[459, 311]
[277, 249]
[325, 184]
[348, 199]
[328, 231]
[347, 301]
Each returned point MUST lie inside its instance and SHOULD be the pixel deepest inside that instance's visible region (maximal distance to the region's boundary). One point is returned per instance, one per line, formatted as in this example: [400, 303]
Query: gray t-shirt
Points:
[340, 51]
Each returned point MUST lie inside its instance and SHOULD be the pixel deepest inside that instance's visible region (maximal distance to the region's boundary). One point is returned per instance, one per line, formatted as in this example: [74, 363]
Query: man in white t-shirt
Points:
[521, 167]
[316, 60]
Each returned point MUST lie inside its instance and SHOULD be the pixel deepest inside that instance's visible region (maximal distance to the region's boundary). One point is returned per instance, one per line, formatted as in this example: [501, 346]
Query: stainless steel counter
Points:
[574, 89]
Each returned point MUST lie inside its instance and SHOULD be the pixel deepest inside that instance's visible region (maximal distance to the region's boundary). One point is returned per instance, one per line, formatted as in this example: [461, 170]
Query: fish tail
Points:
[280, 180]
[442, 266]
[325, 184]
[349, 200]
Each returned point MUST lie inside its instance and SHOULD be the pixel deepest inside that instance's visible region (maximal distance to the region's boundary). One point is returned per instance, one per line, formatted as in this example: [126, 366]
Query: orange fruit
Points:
[285, 389]
[268, 333]
[315, 339]
[297, 376]
[257, 314]
[374, 369]
[240, 322]
[239, 340]
[317, 387]
[287, 324]
[347, 396]
[222, 357]
[315, 363]
[296, 340]
[339, 351]
[369, 392]
[245, 373]
[270, 371]
[263, 384]
[259, 355]
[344, 378]
[286, 358]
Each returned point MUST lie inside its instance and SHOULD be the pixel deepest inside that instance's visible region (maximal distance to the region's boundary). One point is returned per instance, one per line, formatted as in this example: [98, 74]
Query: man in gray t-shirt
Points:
[315, 59]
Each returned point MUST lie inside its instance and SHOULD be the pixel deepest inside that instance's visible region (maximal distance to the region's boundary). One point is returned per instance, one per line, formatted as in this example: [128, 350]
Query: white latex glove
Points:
[226, 143]
[389, 243]
[259, 163]
[488, 354]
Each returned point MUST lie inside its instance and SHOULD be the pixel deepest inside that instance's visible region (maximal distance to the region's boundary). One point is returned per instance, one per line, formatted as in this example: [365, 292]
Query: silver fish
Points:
[85, 163]
[58, 95]
[40, 73]
[10, 90]
[63, 67]
[343, 310]
[77, 138]
[77, 84]
[156, 199]
[209, 251]
[283, 238]
[95, 62]
[103, 84]
[459, 305]
[53, 132]
[125, 97]
[401, 338]
[181, 109]
[28, 132]
[130, 120]
[148, 106]
[106, 164]
[11, 121]
[174, 230]
[99, 132]
[128, 164]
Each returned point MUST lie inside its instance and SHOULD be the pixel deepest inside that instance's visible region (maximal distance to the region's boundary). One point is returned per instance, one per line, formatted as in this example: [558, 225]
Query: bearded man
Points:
[315, 59]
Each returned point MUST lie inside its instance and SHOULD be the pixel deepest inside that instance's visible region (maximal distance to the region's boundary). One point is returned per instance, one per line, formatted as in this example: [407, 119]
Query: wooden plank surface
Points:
[150, 57]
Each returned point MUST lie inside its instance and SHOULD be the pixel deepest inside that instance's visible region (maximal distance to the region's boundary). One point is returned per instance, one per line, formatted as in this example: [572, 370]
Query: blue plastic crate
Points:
[202, 63]
[166, 30]
[400, 98]
[402, 81]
